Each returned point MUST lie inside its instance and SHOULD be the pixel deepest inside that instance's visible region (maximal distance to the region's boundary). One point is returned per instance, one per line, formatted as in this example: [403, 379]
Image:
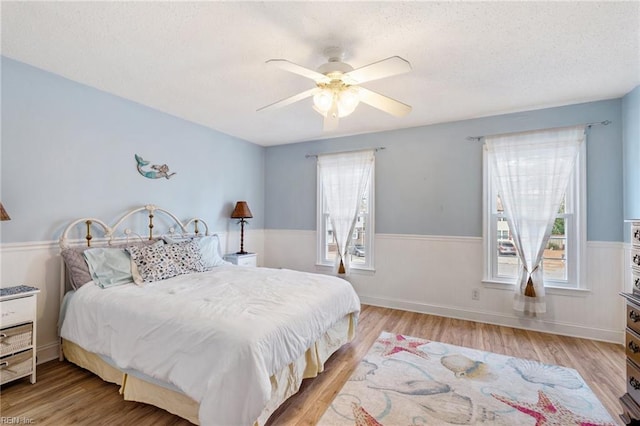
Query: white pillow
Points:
[210, 251]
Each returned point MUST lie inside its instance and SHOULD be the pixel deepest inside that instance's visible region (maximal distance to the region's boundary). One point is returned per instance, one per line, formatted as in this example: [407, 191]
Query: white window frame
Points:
[575, 228]
[321, 226]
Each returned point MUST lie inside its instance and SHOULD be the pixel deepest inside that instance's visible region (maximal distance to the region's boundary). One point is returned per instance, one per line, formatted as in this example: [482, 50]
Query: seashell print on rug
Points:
[409, 381]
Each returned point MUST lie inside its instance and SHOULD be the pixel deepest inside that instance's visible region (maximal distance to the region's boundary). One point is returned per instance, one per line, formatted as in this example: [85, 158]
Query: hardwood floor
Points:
[68, 395]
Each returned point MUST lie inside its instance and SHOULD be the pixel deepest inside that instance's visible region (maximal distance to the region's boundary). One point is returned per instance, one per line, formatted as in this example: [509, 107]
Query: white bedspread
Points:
[218, 336]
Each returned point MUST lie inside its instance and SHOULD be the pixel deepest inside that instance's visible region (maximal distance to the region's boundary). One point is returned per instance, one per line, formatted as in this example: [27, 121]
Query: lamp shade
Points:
[241, 211]
[3, 213]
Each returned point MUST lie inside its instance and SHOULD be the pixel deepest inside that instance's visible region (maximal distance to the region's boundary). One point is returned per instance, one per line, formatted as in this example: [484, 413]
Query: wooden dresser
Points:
[631, 400]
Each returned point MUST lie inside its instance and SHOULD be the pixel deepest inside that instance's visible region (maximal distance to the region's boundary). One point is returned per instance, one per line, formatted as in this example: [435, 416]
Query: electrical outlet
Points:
[475, 294]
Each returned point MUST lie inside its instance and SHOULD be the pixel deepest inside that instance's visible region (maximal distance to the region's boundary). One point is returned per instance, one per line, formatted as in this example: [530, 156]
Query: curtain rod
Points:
[380, 148]
[596, 123]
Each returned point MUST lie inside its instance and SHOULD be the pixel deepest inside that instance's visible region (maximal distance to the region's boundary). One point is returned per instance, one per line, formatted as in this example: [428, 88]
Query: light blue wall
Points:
[68, 152]
[429, 179]
[631, 149]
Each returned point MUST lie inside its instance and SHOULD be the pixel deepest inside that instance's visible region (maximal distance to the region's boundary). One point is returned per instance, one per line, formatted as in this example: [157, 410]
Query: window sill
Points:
[322, 267]
[566, 291]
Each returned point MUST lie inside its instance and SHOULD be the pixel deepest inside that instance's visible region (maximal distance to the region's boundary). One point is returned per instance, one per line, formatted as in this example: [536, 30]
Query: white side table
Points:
[18, 306]
[248, 259]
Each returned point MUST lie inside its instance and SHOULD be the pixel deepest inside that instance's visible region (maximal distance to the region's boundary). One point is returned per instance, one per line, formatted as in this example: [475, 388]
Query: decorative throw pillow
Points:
[209, 248]
[76, 266]
[109, 266]
[153, 262]
[186, 255]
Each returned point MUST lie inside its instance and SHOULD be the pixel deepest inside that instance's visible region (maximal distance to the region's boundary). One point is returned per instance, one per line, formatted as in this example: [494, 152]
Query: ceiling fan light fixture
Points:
[323, 100]
[347, 99]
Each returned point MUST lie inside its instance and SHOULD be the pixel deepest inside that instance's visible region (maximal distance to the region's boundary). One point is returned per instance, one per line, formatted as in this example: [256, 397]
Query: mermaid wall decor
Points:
[157, 172]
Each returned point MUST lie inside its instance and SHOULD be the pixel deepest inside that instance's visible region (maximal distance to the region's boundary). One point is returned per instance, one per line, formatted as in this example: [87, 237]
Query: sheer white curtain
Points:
[531, 172]
[344, 178]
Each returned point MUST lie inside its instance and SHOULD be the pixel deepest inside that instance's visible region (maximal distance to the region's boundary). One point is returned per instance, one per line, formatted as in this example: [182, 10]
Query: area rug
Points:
[408, 381]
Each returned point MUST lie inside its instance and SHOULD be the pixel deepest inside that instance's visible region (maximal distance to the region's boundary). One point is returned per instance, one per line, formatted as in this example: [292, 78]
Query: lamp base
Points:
[242, 252]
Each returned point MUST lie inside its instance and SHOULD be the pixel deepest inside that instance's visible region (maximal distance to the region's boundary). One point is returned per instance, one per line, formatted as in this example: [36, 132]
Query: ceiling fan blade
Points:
[291, 99]
[383, 103]
[385, 68]
[331, 119]
[298, 69]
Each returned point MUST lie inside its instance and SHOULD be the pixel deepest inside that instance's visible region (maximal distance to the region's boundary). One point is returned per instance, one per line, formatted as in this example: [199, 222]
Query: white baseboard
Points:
[541, 325]
[47, 352]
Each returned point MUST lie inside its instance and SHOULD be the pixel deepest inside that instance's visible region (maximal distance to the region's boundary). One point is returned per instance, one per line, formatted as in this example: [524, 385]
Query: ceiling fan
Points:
[338, 91]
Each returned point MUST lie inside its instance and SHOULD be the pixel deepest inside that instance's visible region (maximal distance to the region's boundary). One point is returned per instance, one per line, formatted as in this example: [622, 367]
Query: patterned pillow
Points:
[153, 262]
[209, 249]
[186, 255]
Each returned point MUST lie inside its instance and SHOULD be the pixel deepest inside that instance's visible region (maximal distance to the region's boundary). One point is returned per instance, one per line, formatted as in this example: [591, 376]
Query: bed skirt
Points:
[284, 383]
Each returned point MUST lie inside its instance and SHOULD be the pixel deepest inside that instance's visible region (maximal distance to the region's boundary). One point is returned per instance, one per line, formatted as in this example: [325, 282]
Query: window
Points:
[561, 259]
[360, 249]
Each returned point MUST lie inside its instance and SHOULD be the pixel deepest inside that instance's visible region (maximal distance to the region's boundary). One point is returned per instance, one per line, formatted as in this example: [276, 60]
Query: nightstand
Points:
[18, 306]
[248, 259]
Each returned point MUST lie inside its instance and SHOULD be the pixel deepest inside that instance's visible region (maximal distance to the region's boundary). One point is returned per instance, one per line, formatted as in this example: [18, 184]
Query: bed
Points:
[177, 327]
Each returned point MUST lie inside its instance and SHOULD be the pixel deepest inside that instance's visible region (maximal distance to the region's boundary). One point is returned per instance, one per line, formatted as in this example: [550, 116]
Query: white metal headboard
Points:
[110, 232]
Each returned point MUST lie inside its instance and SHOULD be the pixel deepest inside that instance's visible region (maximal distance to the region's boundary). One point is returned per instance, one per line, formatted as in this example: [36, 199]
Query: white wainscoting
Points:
[428, 274]
[38, 264]
[437, 275]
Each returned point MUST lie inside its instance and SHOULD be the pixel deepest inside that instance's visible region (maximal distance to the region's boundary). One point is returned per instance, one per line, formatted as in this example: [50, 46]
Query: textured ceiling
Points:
[205, 62]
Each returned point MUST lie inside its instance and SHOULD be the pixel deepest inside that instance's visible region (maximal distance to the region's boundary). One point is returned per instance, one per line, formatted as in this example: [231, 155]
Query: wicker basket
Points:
[15, 339]
[14, 366]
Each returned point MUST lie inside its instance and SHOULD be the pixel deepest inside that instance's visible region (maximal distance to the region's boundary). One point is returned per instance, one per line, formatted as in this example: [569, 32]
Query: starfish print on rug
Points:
[363, 418]
[548, 412]
[398, 343]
